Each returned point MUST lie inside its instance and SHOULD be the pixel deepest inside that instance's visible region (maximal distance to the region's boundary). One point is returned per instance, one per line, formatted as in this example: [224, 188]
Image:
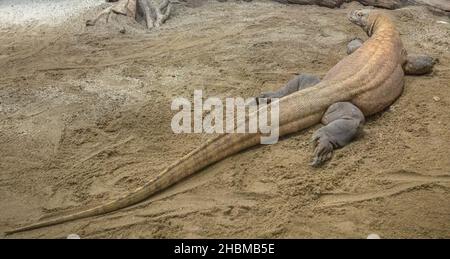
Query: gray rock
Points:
[327, 3]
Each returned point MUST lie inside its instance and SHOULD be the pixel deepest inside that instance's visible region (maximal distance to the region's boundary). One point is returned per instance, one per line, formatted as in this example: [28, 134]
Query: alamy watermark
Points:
[236, 115]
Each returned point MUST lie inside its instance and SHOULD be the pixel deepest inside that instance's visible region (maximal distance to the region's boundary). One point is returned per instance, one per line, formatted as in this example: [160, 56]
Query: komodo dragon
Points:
[362, 84]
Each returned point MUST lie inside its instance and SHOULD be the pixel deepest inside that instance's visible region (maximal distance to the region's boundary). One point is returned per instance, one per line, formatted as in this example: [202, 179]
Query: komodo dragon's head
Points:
[366, 18]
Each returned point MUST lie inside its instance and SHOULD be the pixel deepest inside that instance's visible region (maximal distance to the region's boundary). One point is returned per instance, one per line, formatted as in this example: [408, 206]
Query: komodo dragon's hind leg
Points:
[342, 121]
[298, 83]
[415, 64]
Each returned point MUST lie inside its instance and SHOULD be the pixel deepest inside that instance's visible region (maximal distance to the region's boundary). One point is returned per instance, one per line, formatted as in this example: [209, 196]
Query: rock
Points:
[389, 4]
[373, 236]
[436, 99]
[439, 6]
[443, 5]
[327, 3]
[73, 236]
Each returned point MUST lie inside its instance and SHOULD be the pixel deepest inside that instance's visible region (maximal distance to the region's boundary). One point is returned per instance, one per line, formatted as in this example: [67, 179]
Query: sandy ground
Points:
[85, 118]
[48, 12]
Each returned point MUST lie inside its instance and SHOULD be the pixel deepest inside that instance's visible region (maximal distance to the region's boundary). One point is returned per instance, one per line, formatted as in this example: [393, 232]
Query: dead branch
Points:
[107, 12]
[153, 15]
[145, 8]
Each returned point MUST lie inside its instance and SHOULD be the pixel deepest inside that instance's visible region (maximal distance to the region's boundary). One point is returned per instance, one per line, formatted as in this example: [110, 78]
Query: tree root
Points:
[153, 15]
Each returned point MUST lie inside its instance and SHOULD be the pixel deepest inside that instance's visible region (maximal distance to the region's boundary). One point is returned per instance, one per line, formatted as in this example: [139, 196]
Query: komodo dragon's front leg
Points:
[416, 64]
[298, 83]
[341, 121]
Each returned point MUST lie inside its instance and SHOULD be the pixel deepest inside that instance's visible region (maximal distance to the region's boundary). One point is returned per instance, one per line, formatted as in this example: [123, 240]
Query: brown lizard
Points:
[362, 84]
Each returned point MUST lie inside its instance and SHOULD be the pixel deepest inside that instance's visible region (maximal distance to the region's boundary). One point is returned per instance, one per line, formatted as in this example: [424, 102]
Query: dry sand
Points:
[85, 118]
[48, 12]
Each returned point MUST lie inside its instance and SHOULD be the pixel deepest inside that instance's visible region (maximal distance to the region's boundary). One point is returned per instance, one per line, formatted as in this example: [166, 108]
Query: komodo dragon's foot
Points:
[298, 83]
[323, 149]
[419, 64]
[342, 121]
[353, 45]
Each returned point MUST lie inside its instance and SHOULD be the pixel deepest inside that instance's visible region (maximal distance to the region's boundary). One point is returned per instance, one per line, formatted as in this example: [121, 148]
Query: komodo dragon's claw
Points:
[322, 153]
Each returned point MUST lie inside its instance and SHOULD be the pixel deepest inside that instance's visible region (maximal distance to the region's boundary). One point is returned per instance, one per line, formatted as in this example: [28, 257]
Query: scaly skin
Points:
[371, 78]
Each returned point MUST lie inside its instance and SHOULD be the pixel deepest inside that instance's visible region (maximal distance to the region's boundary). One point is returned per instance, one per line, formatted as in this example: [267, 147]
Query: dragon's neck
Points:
[379, 24]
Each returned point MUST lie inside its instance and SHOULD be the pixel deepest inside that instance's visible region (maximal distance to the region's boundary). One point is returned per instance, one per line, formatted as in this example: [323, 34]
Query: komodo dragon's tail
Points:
[307, 112]
[297, 111]
[212, 151]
